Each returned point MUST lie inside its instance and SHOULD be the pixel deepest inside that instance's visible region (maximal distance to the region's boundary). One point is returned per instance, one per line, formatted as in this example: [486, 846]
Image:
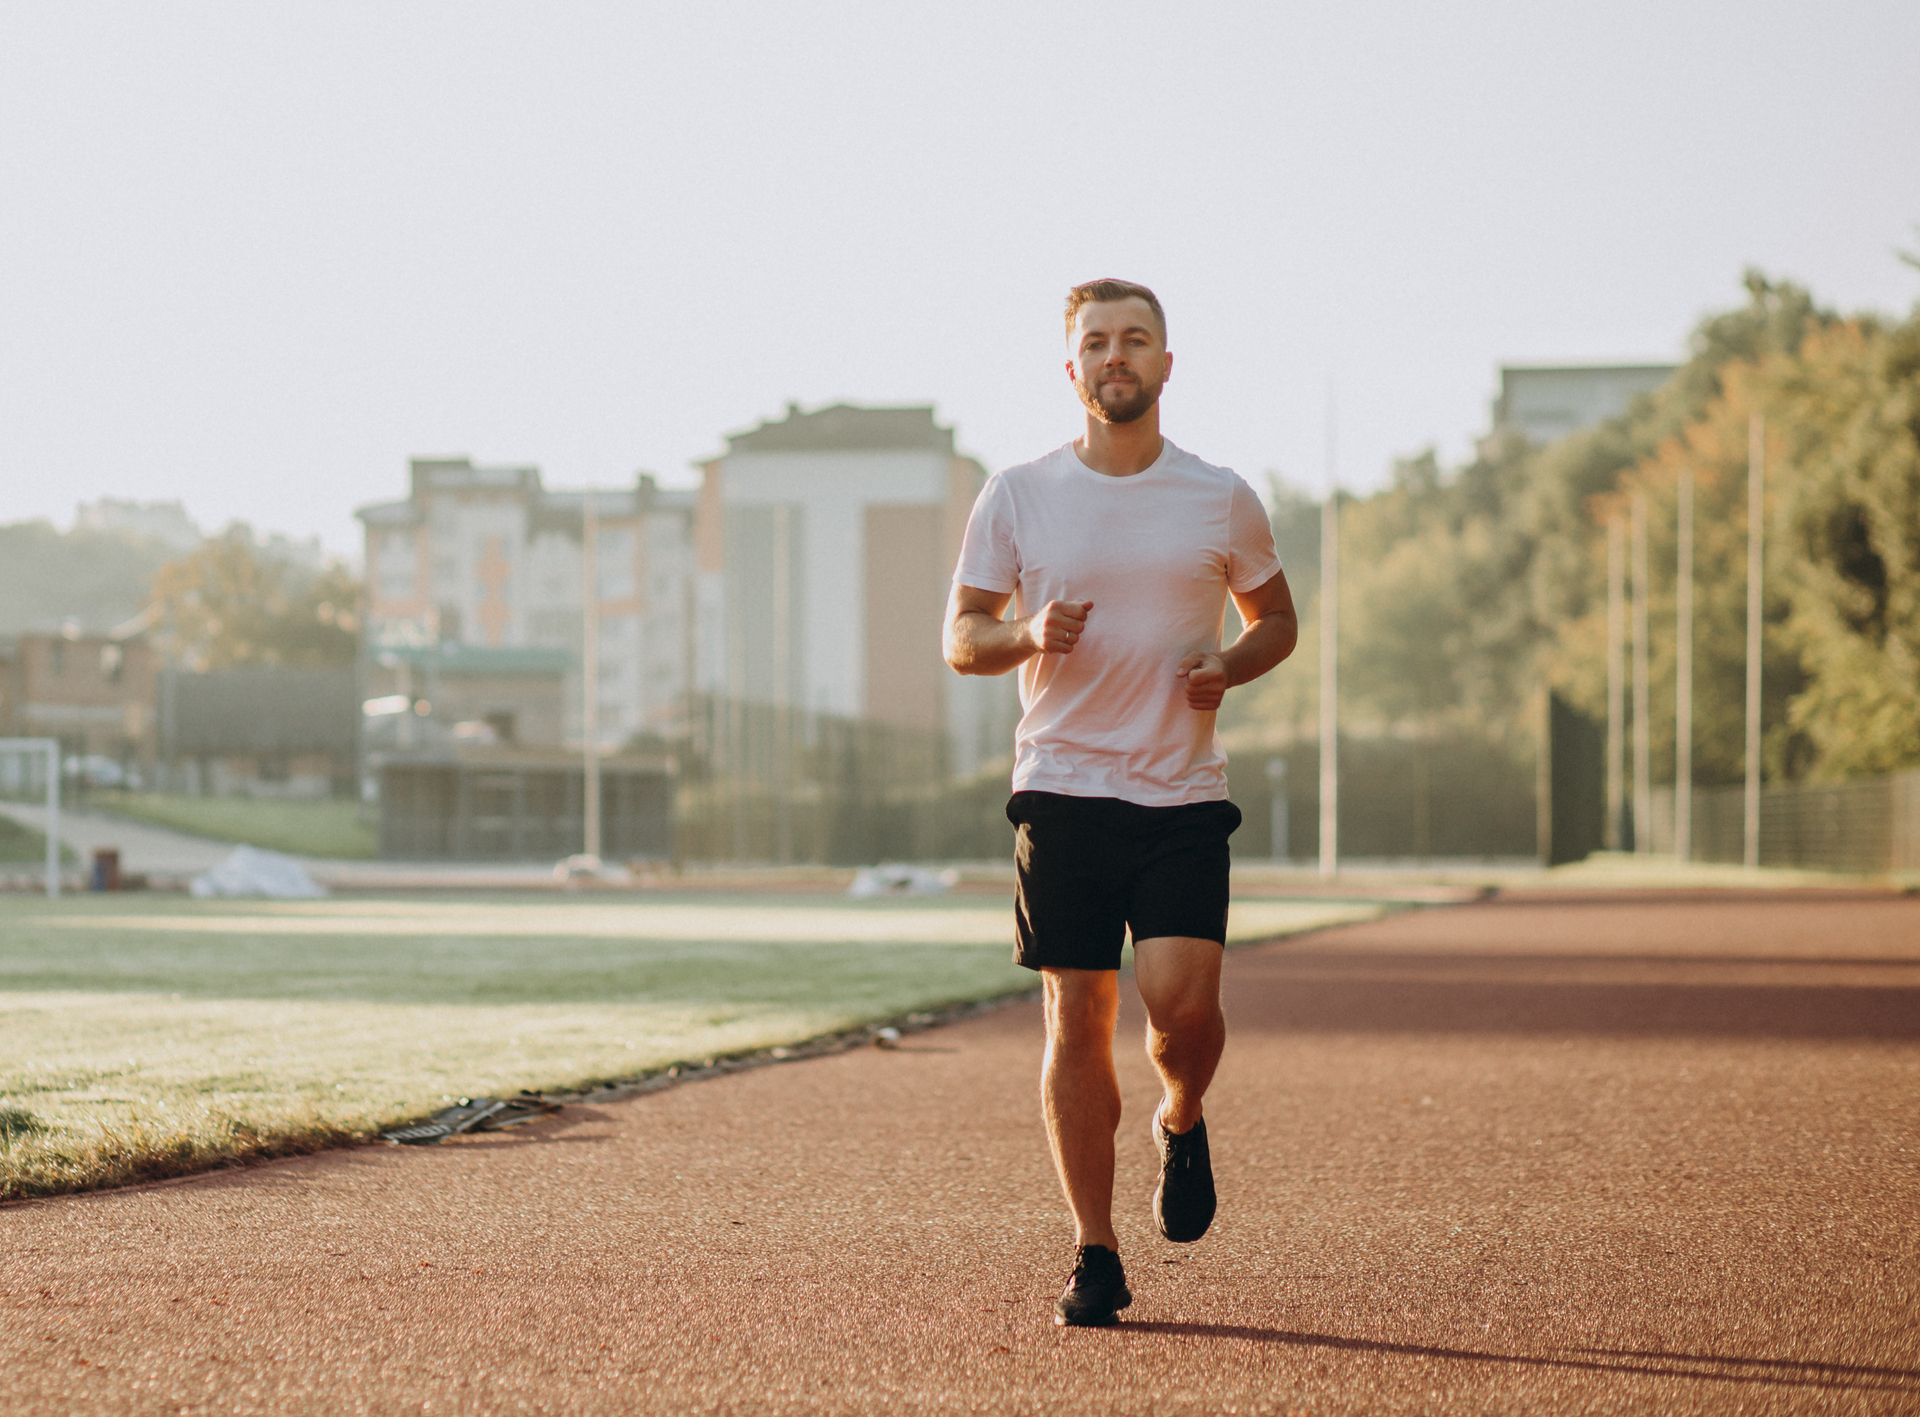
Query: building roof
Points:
[645, 496]
[389, 514]
[844, 427]
[551, 510]
[439, 474]
[1549, 401]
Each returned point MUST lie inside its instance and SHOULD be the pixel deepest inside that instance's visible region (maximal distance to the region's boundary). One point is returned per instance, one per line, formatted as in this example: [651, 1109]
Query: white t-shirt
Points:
[1156, 553]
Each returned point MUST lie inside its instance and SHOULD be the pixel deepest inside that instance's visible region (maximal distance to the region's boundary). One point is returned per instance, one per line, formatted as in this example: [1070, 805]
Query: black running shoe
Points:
[1096, 1293]
[1183, 1204]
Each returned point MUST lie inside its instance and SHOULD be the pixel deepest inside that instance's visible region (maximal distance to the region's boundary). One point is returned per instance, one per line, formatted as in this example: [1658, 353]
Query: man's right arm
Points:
[978, 641]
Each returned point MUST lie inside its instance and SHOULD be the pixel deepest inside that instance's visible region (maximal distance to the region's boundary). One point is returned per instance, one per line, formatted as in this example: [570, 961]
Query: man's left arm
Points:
[1269, 635]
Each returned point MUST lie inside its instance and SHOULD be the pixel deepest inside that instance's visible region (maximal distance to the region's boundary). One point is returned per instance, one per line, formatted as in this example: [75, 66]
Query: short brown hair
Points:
[1110, 289]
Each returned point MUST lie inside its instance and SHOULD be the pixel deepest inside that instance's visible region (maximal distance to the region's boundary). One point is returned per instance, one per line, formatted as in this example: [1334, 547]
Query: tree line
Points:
[236, 600]
[1465, 592]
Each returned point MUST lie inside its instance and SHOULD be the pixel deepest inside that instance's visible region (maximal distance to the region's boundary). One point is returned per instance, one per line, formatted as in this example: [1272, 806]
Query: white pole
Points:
[1330, 662]
[782, 674]
[50, 747]
[1642, 693]
[53, 819]
[590, 674]
[1616, 683]
[1277, 809]
[1756, 509]
[1683, 680]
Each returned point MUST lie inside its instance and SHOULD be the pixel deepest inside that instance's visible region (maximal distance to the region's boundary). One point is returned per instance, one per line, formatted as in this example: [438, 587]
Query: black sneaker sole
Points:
[1091, 1318]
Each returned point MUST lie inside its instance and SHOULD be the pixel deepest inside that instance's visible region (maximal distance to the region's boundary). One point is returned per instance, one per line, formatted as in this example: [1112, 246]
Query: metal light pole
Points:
[782, 677]
[1683, 678]
[53, 819]
[1616, 682]
[1330, 662]
[590, 674]
[1642, 695]
[1756, 519]
[1277, 808]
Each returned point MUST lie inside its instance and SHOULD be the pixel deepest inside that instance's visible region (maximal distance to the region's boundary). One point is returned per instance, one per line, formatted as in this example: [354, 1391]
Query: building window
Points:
[398, 565]
[59, 657]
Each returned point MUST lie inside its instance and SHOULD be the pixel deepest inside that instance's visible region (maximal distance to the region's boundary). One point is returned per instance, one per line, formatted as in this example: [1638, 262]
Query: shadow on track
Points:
[1706, 1367]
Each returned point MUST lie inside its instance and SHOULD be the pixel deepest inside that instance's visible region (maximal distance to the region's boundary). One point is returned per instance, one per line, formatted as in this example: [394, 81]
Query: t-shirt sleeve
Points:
[989, 557]
[1251, 559]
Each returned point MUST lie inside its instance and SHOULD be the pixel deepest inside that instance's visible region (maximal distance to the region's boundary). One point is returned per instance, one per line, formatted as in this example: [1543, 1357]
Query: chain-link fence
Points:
[1869, 825]
[762, 782]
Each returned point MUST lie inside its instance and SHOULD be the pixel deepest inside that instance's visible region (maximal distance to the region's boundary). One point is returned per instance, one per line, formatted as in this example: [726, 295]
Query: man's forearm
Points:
[977, 643]
[1261, 646]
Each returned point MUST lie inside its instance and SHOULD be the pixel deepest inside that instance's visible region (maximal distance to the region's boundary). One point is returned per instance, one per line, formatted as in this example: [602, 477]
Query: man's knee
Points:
[1186, 1014]
[1081, 1005]
[1179, 983]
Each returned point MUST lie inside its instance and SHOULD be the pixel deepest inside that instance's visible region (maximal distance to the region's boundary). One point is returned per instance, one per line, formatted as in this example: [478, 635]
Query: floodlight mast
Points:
[1330, 661]
[1756, 531]
[1642, 696]
[53, 819]
[1612, 837]
[1683, 679]
[590, 675]
[51, 748]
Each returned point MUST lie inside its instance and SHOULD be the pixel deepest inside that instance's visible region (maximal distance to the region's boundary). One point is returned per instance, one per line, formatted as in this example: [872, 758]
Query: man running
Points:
[1119, 551]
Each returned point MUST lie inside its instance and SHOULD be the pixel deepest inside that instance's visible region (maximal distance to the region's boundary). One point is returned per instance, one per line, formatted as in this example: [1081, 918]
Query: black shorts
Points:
[1090, 868]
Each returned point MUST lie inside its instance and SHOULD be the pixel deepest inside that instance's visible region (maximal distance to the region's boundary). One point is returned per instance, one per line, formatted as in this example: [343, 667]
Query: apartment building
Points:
[95, 693]
[488, 560]
[826, 544]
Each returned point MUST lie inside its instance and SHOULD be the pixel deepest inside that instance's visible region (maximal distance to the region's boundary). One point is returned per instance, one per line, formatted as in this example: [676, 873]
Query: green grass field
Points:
[148, 1036]
[328, 827]
[21, 845]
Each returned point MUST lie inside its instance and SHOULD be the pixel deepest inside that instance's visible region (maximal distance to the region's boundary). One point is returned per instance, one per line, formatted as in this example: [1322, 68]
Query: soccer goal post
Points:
[25, 751]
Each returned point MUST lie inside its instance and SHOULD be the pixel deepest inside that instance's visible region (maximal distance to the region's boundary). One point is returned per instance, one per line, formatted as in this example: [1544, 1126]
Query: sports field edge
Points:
[129, 1158]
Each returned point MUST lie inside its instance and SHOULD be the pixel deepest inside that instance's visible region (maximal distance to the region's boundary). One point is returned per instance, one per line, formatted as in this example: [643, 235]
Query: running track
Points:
[1547, 1155]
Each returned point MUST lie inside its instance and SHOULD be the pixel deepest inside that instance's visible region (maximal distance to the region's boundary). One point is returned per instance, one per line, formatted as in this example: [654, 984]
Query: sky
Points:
[257, 256]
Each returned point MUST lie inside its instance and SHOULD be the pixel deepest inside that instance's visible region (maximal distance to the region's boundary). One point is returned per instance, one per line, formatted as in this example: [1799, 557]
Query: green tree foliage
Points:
[226, 606]
[1463, 594]
[1847, 516]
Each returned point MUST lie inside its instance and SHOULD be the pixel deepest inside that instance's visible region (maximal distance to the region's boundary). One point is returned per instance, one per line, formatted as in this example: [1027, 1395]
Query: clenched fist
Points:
[1056, 627]
[1206, 676]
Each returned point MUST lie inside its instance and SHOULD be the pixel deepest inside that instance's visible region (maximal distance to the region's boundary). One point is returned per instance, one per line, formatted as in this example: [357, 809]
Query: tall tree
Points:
[226, 606]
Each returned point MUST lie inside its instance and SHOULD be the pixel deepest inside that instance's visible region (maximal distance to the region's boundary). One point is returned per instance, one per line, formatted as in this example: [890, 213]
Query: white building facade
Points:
[488, 558]
[809, 571]
[827, 544]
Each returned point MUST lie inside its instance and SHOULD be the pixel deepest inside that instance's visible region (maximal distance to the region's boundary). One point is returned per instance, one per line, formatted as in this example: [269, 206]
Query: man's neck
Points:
[1121, 449]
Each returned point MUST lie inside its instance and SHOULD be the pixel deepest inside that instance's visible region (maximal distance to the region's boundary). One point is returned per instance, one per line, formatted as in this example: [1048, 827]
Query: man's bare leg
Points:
[1179, 982]
[1080, 1094]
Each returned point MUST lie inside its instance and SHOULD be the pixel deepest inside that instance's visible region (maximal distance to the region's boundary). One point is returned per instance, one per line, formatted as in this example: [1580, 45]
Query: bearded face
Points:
[1119, 359]
[1117, 396]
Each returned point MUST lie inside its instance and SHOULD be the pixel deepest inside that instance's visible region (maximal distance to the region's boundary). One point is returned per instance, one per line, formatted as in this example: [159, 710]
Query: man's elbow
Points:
[1278, 633]
[1289, 636]
[955, 649]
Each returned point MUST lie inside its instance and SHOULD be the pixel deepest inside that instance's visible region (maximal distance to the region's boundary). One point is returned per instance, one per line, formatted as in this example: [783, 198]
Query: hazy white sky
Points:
[256, 256]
